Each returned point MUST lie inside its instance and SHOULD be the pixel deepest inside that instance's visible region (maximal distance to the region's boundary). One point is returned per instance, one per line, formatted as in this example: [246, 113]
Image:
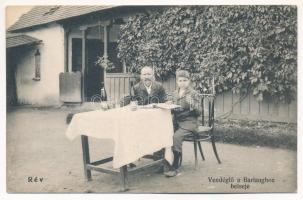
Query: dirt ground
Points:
[37, 147]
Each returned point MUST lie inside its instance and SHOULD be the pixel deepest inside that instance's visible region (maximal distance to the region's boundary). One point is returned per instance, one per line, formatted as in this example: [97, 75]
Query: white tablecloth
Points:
[135, 133]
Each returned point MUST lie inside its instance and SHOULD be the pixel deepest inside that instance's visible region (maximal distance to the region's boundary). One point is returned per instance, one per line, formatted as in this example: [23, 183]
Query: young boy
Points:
[185, 118]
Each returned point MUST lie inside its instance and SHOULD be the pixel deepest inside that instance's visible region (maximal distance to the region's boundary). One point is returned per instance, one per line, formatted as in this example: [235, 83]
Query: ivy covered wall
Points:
[247, 48]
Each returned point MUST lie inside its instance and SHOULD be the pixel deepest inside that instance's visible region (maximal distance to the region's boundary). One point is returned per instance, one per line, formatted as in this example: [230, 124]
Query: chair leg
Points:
[200, 149]
[215, 150]
[180, 161]
[196, 159]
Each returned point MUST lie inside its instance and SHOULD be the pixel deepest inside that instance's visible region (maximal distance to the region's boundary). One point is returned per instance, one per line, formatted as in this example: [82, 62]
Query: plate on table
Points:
[160, 105]
[167, 106]
[148, 106]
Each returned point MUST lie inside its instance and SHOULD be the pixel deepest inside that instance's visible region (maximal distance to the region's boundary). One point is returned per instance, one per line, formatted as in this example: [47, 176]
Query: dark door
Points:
[93, 72]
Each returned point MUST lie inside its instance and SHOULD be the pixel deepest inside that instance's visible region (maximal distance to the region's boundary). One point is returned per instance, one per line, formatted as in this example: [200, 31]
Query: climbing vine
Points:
[247, 48]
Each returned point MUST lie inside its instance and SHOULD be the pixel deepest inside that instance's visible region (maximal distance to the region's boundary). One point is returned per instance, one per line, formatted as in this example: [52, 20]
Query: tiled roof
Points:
[45, 14]
[14, 40]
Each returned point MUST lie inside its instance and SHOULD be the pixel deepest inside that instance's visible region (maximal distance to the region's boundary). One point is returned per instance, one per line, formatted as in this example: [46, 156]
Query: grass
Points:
[259, 133]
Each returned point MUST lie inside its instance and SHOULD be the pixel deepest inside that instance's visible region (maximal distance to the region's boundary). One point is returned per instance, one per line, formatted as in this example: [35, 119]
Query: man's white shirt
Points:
[148, 88]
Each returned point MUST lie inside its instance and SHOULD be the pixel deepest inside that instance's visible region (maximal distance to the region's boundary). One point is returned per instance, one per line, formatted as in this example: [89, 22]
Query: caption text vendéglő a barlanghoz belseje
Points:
[241, 182]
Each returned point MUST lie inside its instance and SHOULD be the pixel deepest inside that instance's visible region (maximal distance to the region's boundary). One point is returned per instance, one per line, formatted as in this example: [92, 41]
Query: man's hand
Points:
[169, 102]
[104, 105]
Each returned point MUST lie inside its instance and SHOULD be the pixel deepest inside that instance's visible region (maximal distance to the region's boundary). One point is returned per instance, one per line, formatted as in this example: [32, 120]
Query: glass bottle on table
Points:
[103, 92]
[133, 100]
[103, 97]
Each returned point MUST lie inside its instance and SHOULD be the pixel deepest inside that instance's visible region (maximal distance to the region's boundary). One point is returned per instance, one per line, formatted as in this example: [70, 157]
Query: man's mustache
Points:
[147, 79]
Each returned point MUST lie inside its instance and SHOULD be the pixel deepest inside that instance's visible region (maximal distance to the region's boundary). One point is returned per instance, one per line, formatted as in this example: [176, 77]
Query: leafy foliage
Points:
[246, 48]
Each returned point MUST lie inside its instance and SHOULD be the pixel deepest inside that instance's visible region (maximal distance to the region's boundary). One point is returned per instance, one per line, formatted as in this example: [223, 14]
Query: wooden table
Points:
[135, 134]
[123, 171]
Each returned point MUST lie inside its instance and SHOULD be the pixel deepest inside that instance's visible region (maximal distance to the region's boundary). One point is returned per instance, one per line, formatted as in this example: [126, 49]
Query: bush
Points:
[246, 48]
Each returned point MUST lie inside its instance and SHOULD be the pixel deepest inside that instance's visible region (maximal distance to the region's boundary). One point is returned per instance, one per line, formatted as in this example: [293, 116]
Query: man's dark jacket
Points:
[140, 94]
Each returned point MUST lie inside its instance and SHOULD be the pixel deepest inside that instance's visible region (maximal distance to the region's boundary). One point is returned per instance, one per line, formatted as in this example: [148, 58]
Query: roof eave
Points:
[13, 30]
[27, 44]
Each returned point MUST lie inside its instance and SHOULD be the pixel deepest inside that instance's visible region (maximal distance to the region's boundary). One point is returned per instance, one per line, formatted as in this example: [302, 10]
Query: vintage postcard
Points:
[151, 99]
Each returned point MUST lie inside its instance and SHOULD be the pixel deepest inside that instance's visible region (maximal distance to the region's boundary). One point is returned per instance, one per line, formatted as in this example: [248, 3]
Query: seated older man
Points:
[147, 91]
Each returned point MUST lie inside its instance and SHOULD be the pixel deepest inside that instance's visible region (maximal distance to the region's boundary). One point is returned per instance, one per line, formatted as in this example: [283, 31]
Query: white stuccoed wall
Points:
[46, 91]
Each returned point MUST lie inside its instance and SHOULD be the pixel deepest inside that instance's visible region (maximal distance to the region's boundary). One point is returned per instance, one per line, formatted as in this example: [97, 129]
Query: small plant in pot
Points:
[104, 63]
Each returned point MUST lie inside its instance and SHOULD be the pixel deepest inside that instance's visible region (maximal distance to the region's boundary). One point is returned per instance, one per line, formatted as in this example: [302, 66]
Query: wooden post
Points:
[83, 62]
[124, 66]
[66, 49]
[105, 55]
[213, 84]
[70, 54]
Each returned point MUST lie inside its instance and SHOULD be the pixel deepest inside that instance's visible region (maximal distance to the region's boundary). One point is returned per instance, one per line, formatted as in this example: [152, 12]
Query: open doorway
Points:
[93, 73]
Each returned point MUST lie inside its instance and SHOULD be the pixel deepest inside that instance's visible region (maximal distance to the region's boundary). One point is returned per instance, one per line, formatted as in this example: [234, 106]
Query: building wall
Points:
[45, 91]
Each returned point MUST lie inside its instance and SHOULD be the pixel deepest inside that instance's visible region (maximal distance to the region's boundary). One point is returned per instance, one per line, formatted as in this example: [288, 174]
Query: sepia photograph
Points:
[151, 99]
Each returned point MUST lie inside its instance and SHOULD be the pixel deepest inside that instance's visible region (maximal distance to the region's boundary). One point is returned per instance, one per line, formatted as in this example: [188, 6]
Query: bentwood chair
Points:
[205, 128]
